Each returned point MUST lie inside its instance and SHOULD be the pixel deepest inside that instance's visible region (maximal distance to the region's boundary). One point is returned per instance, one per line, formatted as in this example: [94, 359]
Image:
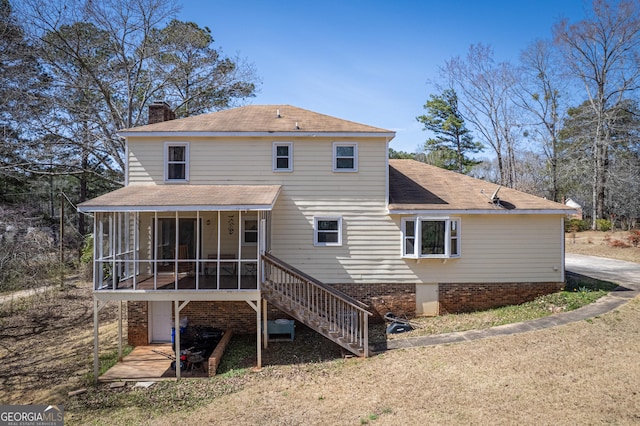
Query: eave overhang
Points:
[170, 198]
[296, 134]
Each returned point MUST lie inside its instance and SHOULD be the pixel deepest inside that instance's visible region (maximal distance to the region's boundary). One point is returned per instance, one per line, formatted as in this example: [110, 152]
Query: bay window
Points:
[426, 237]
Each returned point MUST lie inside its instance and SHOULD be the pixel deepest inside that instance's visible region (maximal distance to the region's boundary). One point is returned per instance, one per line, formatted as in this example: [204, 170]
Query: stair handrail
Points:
[293, 270]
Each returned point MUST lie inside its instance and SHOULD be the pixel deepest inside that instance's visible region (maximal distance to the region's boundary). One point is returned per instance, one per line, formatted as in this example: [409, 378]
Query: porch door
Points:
[160, 321]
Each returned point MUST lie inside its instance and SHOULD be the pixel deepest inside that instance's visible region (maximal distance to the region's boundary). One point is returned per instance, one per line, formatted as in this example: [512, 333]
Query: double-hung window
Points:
[424, 237]
[345, 157]
[176, 164]
[327, 231]
[282, 156]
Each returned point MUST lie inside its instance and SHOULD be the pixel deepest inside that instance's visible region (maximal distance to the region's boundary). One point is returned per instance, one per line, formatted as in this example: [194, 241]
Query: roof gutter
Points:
[150, 209]
[165, 134]
[483, 211]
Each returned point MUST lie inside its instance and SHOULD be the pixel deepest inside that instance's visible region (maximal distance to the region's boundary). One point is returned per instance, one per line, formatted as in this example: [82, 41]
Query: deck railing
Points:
[176, 274]
[330, 312]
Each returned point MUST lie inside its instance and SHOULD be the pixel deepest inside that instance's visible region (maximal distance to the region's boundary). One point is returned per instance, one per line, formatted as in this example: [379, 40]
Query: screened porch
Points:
[192, 237]
[201, 250]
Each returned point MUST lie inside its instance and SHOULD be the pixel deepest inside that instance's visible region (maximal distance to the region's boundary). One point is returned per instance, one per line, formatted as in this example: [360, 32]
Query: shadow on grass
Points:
[577, 282]
[307, 347]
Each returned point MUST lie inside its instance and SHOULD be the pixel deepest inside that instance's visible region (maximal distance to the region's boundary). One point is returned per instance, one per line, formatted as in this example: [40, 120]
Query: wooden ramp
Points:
[144, 363]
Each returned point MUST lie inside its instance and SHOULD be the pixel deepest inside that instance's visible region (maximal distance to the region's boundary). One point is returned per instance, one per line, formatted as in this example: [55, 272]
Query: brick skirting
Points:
[399, 299]
[222, 315]
[382, 298]
[456, 298]
[238, 316]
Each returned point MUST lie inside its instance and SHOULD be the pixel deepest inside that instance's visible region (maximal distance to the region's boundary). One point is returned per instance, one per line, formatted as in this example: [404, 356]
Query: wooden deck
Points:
[147, 363]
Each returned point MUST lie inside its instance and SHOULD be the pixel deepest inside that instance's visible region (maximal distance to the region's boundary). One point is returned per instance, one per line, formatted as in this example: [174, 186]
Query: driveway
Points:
[626, 274]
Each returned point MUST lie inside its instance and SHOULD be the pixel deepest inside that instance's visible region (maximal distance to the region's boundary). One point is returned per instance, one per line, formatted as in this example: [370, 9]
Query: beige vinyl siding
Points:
[220, 161]
[495, 248]
[500, 248]
[370, 245]
[369, 237]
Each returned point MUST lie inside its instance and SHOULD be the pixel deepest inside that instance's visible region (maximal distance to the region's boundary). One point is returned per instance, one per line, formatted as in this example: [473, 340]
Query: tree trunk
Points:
[83, 190]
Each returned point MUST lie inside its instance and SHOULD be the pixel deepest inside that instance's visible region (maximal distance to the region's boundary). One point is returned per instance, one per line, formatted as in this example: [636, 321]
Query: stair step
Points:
[301, 310]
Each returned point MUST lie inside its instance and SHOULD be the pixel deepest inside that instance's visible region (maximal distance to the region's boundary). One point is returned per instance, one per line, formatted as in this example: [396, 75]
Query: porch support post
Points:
[265, 332]
[177, 307]
[257, 306]
[96, 359]
[259, 334]
[120, 330]
[176, 333]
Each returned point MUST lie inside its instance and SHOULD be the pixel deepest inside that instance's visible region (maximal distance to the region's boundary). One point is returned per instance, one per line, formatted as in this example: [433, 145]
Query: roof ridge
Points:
[284, 118]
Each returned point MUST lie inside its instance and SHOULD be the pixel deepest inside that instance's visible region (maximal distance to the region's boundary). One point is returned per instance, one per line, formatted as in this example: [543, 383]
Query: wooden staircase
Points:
[337, 316]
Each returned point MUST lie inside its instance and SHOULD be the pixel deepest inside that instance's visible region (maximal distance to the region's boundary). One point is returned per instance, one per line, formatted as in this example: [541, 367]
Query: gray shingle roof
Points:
[259, 119]
[185, 197]
[418, 186]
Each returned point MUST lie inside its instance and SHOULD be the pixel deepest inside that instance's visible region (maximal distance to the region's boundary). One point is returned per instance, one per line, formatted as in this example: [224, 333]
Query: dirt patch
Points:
[46, 344]
[602, 244]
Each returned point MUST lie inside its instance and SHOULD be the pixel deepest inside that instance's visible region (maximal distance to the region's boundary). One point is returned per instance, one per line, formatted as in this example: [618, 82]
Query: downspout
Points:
[386, 175]
[562, 245]
[126, 162]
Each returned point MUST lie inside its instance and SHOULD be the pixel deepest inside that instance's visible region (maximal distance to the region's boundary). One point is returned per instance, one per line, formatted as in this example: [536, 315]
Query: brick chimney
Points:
[159, 112]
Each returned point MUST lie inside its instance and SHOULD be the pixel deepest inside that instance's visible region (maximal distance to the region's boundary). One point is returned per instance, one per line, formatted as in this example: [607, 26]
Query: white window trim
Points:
[167, 145]
[335, 157]
[244, 221]
[418, 235]
[275, 156]
[315, 231]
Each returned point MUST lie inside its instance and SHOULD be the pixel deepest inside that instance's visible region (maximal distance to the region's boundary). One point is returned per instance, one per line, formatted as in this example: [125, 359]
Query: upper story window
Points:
[176, 165]
[345, 157]
[283, 156]
[327, 231]
[430, 237]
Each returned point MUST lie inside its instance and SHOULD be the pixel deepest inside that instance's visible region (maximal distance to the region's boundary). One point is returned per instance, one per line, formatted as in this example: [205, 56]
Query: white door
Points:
[160, 321]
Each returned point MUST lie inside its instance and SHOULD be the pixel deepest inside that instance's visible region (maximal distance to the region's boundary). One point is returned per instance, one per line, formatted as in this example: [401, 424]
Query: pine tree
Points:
[453, 141]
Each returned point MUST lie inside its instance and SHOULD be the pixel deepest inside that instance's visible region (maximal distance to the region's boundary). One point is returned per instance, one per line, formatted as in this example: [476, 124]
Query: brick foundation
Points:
[223, 315]
[456, 298]
[382, 298]
[137, 323]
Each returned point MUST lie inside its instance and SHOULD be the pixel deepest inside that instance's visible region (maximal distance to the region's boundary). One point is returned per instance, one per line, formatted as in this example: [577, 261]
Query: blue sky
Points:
[369, 61]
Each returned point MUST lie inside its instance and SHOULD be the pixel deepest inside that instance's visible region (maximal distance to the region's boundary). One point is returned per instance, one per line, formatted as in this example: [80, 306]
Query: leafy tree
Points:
[453, 141]
[401, 155]
[112, 59]
[603, 54]
[22, 82]
[622, 157]
[109, 60]
[197, 77]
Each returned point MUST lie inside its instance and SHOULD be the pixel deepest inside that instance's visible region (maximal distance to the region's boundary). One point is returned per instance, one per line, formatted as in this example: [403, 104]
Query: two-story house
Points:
[225, 216]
